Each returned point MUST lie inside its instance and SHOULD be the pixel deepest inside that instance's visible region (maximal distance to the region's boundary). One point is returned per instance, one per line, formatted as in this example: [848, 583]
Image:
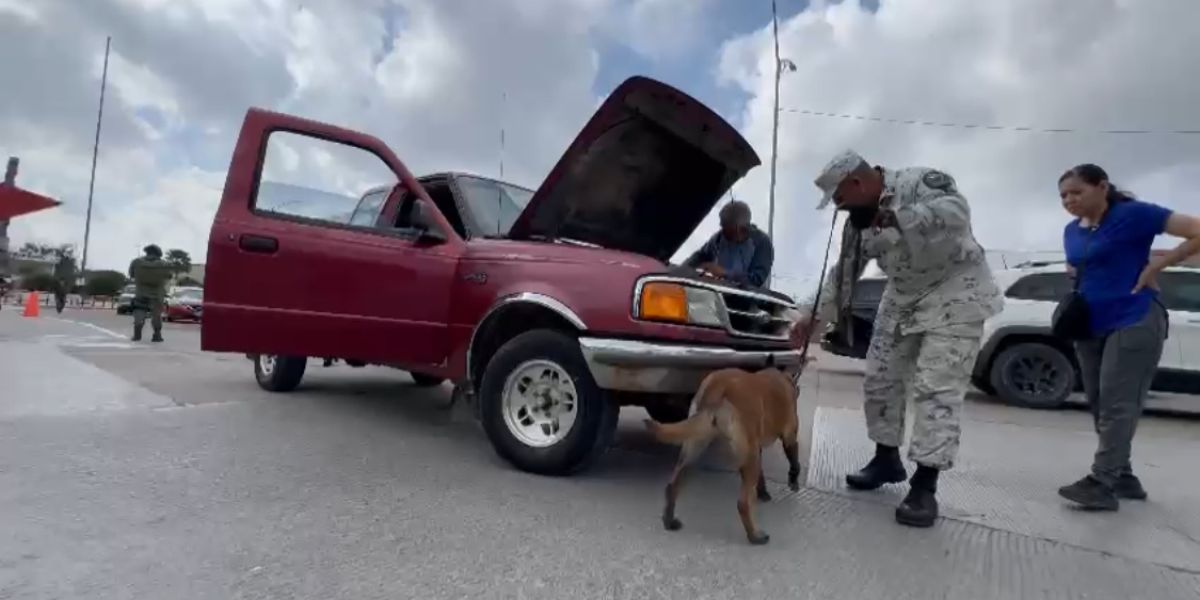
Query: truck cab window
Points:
[439, 191]
[313, 179]
[493, 204]
[367, 213]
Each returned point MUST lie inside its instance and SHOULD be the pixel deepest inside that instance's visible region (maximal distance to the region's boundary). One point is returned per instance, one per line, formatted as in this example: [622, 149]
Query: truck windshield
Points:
[495, 205]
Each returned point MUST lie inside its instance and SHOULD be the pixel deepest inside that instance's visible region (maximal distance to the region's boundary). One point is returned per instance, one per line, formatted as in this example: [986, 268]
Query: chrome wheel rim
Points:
[539, 403]
[266, 364]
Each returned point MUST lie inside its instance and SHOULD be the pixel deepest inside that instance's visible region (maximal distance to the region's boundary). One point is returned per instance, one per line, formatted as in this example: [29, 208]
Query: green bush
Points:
[42, 282]
[104, 283]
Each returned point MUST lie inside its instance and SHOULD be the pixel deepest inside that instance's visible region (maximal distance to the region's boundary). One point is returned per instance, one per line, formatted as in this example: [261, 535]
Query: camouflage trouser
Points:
[935, 366]
[143, 307]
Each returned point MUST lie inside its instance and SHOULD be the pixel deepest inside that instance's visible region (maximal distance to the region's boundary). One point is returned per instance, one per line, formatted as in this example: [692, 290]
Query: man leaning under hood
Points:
[740, 252]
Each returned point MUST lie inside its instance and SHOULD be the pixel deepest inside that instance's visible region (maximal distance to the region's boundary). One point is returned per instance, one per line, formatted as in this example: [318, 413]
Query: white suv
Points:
[1020, 361]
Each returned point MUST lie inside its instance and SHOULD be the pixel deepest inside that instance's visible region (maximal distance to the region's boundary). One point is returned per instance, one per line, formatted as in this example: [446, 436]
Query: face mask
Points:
[862, 217]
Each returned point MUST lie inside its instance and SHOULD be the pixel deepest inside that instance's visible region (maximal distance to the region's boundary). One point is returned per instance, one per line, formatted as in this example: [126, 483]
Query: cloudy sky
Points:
[427, 76]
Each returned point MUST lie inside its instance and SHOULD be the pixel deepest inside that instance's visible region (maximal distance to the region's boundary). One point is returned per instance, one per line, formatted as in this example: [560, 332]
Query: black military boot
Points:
[1129, 487]
[137, 334]
[920, 507]
[157, 337]
[1091, 494]
[884, 468]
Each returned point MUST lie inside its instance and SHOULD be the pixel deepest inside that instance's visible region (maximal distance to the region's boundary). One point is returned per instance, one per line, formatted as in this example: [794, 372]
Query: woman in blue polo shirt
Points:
[1108, 248]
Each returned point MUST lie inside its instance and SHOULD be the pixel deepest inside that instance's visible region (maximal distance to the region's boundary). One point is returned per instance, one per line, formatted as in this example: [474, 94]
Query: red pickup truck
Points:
[550, 309]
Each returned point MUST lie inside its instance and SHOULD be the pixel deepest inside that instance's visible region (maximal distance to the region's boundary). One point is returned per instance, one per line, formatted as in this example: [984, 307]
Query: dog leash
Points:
[812, 317]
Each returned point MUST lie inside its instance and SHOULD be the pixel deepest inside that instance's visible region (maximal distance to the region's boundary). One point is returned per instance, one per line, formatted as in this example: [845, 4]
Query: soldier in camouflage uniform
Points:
[64, 280]
[917, 227]
[150, 274]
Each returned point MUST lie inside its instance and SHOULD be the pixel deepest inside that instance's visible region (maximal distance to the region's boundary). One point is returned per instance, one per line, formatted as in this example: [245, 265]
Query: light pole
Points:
[87, 227]
[774, 126]
[779, 65]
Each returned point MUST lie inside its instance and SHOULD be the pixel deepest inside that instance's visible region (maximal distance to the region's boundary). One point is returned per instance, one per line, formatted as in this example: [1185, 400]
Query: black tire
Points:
[670, 409]
[423, 380]
[1033, 375]
[595, 414]
[982, 383]
[279, 373]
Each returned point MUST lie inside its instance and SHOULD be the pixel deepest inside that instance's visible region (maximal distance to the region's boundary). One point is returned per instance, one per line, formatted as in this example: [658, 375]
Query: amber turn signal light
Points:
[664, 302]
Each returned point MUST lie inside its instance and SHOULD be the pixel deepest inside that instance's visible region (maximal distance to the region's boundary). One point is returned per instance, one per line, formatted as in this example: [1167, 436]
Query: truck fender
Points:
[507, 303]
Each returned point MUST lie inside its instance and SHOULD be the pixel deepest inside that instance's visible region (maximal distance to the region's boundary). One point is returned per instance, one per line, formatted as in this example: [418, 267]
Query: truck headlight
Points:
[674, 303]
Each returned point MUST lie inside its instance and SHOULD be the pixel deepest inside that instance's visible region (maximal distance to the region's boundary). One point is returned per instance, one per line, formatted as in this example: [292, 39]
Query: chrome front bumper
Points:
[634, 366]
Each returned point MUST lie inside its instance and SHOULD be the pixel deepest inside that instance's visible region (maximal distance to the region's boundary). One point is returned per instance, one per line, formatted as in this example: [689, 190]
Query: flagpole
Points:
[87, 227]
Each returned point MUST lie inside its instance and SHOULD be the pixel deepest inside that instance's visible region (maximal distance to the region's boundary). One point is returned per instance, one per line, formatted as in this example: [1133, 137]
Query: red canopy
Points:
[15, 202]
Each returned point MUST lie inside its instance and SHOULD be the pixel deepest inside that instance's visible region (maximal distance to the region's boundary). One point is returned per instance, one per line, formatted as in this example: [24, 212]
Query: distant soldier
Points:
[940, 290]
[150, 274]
[64, 280]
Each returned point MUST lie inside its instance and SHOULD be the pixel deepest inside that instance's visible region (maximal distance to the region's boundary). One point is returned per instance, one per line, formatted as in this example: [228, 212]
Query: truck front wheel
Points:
[279, 373]
[541, 408]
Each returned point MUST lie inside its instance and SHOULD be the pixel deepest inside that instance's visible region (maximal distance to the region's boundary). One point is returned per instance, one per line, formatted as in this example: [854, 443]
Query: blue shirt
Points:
[748, 262]
[1110, 263]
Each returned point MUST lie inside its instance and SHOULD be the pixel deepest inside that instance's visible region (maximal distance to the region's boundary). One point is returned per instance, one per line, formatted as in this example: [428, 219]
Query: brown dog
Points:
[750, 411]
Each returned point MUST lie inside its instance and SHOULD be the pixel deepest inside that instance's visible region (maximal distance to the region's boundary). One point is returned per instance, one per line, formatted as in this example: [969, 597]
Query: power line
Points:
[1022, 129]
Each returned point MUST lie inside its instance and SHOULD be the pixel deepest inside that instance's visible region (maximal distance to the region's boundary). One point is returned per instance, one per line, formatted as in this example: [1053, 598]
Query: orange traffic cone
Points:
[31, 305]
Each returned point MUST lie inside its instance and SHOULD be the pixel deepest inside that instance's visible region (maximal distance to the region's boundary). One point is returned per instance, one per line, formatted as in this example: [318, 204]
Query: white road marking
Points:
[123, 345]
[103, 330]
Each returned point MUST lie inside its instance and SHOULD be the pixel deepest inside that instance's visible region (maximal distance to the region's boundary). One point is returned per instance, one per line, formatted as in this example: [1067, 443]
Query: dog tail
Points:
[701, 424]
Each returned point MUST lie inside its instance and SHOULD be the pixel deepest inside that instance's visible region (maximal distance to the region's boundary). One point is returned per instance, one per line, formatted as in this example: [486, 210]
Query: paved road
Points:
[158, 471]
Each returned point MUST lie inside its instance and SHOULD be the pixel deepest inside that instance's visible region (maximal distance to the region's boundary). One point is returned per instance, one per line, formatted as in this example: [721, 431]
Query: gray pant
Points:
[147, 307]
[935, 368]
[1117, 370]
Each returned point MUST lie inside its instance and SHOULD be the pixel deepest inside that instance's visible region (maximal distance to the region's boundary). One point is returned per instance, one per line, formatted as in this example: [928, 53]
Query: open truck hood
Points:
[641, 175]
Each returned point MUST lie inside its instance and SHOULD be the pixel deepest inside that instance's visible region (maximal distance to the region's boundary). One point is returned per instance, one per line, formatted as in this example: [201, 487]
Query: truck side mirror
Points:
[424, 223]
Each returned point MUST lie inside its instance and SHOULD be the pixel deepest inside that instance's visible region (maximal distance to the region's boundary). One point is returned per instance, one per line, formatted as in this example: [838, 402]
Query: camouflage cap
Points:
[834, 172]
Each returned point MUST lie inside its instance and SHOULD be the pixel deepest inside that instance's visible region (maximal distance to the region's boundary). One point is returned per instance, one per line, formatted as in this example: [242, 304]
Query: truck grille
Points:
[756, 315]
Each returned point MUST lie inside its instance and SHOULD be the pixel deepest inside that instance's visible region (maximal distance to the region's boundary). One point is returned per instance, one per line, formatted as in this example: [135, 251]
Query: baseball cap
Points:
[842, 165]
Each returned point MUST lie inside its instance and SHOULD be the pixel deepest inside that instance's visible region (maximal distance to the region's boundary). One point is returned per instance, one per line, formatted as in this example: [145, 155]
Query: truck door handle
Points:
[258, 243]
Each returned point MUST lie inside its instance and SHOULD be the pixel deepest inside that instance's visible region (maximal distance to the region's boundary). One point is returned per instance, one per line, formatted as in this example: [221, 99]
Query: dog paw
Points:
[764, 496]
[672, 524]
[759, 538]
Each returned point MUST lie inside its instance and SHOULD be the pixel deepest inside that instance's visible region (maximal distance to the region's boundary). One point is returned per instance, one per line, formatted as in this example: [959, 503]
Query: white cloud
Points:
[427, 77]
[19, 9]
[1111, 64]
[666, 29]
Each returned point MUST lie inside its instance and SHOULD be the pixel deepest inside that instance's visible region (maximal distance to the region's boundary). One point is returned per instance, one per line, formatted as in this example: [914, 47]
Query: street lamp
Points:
[780, 64]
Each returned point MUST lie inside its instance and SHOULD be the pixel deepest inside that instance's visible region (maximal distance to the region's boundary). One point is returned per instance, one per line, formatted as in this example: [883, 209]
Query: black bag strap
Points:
[1082, 265]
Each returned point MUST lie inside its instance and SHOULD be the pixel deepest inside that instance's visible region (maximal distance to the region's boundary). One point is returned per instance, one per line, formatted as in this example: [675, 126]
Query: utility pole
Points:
[87, 227]
[774, 126]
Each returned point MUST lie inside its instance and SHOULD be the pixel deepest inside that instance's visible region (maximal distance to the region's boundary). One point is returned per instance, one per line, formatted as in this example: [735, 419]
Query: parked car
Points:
[125, 300]
[1021, 362]
[550, 309]
[184, 304]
